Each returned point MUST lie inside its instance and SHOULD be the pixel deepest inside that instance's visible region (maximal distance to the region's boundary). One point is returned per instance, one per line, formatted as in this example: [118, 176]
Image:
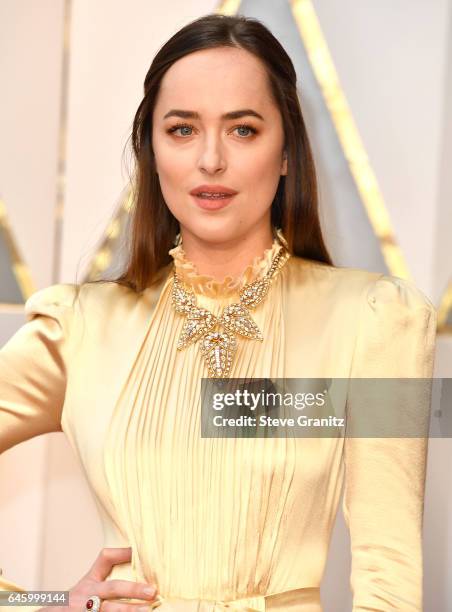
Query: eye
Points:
[181, 126]
[244, 126]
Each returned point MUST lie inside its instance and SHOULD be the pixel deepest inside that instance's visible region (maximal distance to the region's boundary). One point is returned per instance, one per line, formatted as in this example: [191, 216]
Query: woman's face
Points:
[243, 153]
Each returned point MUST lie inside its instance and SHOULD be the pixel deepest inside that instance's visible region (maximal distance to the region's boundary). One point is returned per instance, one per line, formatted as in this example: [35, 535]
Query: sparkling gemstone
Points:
[218, 348]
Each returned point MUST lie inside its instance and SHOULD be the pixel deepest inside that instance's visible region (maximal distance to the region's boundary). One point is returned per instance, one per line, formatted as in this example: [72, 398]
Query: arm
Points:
[33, 376]
[383, 499]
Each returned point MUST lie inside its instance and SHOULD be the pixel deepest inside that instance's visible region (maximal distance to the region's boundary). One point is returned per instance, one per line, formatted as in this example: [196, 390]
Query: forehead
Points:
[215, 78]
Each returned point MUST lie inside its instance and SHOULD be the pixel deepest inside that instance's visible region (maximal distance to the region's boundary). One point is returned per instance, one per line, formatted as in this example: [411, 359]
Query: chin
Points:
[212, 230]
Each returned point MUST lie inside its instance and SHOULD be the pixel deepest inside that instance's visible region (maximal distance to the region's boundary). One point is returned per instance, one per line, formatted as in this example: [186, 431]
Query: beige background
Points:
[393, 59]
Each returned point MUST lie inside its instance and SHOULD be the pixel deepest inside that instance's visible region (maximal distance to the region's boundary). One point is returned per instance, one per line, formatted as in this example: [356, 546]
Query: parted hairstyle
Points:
[294, 209]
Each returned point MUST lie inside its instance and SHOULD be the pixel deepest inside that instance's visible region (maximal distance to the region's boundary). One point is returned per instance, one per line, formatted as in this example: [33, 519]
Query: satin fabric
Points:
[224, 519]
[307, 599]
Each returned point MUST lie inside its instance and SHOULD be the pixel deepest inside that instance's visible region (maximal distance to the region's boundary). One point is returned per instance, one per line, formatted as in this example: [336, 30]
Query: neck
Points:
[226, 258]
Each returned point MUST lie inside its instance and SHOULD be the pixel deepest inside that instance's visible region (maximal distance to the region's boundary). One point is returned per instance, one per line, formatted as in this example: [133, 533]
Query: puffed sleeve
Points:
[383, 500]
[33, 373]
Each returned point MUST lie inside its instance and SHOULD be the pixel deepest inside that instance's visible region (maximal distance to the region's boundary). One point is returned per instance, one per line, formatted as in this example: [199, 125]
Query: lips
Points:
[212, 191]
[213, 202]
[213, 196]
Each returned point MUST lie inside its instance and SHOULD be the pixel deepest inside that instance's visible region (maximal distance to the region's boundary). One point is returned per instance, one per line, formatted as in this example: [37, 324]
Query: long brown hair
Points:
[295, 206]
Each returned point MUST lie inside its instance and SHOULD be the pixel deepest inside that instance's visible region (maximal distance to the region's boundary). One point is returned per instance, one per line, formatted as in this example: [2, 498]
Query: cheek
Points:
[173, 181]
[171, 166]
[170, 162]
[259, 176]
[261, 164]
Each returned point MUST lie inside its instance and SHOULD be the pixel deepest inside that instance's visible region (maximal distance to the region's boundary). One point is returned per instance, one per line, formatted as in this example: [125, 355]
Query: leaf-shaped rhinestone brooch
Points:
[218, 348]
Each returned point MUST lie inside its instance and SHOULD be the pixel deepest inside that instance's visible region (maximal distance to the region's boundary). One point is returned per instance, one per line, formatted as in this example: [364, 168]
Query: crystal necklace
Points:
[218, 348]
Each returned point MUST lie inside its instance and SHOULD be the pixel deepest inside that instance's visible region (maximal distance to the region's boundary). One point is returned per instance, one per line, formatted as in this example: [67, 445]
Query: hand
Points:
[94, 583]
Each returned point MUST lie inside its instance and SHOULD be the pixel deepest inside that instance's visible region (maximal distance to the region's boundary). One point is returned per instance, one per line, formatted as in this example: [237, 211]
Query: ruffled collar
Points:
[205, 284]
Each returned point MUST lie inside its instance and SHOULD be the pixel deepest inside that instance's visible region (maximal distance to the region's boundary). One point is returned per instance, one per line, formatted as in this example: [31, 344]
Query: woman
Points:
[225, 196]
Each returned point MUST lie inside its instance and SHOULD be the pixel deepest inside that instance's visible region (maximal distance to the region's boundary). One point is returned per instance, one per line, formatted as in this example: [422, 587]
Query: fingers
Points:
[125, 589]
[105, 560]
[112, 592]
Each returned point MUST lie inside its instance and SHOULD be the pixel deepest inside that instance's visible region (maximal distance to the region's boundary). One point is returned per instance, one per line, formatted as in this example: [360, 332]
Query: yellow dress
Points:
[221, 523]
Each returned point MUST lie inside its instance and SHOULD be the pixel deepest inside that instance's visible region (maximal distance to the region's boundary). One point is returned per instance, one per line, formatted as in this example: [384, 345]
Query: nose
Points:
[212, 156]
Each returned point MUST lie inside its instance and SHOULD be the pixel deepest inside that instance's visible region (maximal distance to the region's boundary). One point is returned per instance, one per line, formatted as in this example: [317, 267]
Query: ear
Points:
[284, 163]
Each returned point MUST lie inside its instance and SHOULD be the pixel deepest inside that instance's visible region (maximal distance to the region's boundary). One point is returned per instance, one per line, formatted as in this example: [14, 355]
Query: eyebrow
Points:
[185, 114]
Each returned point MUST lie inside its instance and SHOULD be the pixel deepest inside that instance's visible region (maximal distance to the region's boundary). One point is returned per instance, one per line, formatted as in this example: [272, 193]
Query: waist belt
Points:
[303, 600]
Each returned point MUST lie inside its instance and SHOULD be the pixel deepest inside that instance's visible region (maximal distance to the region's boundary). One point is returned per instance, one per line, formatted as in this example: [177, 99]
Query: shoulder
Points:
[100, 304]
[372, 289]
[50, 300]
[399, 292]
[310, 272]
[62, 300]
